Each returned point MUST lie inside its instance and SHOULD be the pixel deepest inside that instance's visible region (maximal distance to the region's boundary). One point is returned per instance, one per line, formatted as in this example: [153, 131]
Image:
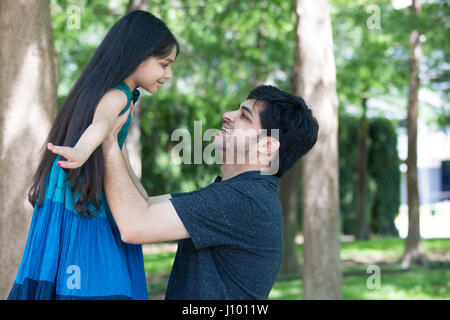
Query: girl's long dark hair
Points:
[136, 36]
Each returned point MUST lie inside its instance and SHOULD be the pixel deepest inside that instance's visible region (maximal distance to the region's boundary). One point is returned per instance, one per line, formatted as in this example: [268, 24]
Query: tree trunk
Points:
[414, 252]
[134, 145]
[289, 188]
[362, 232]
[315, 78]
[28, 87]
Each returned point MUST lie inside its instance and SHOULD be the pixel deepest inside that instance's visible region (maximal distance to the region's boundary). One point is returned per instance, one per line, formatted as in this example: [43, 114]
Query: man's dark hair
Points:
[298, 129]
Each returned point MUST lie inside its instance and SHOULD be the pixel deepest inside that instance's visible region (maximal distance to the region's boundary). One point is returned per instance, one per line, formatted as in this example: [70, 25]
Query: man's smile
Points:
[226, 128]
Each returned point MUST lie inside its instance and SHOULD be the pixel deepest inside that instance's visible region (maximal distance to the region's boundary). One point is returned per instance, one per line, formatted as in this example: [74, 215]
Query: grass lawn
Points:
[417, 283]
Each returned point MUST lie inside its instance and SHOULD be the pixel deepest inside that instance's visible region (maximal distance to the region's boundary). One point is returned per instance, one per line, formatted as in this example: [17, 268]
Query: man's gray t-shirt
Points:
[235, 247]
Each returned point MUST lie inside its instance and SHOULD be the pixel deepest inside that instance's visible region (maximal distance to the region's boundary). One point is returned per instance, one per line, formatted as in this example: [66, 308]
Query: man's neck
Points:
[229, 171]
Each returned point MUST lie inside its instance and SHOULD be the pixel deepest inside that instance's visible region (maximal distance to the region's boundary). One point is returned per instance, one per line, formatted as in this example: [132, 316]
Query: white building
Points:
[433, 164]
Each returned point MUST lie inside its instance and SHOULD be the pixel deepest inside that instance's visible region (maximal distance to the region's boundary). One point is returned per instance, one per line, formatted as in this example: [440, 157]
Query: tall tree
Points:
[29, 78]
[315, 79]
[414, 252]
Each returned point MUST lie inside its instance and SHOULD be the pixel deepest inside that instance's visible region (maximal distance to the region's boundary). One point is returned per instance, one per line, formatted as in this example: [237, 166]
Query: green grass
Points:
[384, 248]
[418, 283]
[415, 283]
[158, 263]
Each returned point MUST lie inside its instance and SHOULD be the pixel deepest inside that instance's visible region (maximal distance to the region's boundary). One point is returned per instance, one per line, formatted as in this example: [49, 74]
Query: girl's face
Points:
[153, 71]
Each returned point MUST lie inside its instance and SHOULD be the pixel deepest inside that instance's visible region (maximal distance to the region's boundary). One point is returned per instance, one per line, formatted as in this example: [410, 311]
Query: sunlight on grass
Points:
[417, 283]
[286, 290]
[377, 249]
[439, 245]
[158, 262]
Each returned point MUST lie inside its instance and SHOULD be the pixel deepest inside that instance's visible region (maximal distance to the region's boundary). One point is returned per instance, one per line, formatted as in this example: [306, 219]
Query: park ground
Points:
[357, 259]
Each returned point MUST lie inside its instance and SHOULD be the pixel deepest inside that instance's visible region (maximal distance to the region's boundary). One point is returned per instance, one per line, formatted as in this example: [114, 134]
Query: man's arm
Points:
[133, 176]
[137, 221]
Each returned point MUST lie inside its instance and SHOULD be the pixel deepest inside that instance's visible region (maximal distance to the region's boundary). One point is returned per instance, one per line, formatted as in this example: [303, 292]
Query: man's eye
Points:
[243, 116]
[165, 65]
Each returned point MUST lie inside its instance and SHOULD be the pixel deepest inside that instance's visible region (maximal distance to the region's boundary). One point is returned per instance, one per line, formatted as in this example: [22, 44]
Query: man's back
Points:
[236, 245]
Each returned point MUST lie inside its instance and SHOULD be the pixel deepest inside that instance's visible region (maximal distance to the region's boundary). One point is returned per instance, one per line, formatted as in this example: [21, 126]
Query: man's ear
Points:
[268, 145]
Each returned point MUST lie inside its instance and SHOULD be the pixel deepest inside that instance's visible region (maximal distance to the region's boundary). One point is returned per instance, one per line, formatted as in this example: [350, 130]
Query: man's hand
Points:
[111, 139]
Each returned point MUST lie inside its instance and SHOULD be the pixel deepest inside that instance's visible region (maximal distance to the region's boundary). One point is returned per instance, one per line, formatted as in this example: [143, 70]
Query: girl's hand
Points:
[75, 157]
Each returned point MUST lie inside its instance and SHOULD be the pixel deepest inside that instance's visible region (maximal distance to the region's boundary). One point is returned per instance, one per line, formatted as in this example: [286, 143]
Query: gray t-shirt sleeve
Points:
[216, 215]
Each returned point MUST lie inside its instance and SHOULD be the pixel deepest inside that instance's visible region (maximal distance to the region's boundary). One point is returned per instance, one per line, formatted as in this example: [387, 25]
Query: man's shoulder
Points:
[258, 188]
[242, 194]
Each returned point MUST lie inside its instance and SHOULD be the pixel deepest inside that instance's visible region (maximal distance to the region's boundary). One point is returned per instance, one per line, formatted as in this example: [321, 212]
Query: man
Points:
[230, 232]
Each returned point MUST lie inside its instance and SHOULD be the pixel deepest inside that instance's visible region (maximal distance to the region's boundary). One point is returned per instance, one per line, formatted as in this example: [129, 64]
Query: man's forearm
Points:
[124, 199]
[133, 176]
[137, 183]
[145, 196]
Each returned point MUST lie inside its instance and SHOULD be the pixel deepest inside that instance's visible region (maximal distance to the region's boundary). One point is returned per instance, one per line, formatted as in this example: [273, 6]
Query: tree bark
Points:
[315, 78]
[362, 232]
[28, 89]
[414, 252]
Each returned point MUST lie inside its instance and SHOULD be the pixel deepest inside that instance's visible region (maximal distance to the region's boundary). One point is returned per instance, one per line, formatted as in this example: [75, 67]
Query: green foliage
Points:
[436, 49]
[383, 174]
[347, 140]
[75, 44]
[384, 169]
[370, 61]
[227, 48]
[375, 62]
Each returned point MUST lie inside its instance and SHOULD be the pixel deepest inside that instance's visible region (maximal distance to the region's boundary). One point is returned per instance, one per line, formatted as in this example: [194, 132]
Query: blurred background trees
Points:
[227, 48]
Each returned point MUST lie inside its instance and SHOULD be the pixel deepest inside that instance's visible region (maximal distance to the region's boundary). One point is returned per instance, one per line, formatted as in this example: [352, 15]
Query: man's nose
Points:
[228, 116]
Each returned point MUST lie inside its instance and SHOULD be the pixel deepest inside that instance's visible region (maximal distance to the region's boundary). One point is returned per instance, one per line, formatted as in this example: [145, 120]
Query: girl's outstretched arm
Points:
[106, 113]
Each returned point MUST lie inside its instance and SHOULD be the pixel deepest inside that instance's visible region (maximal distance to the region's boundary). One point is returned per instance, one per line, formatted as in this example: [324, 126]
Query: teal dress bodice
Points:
[123, 133]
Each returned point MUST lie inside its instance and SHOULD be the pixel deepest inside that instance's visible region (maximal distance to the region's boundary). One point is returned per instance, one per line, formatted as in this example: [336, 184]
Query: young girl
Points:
[74, 249]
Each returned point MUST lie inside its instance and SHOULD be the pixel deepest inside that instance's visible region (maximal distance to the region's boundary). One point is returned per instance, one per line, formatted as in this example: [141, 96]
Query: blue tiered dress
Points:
[69, 256]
